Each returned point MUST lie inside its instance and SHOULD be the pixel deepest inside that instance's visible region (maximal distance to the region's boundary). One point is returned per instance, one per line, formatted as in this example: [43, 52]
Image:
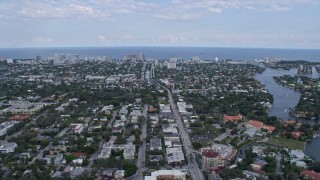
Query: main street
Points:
[195, 171]
[192, 163]
[142, 148]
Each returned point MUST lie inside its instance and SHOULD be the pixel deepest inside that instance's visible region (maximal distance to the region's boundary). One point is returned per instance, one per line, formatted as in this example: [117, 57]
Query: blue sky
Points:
[216, 23]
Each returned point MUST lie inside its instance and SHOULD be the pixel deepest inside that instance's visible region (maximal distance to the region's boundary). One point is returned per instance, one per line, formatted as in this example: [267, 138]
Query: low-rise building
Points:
[260, 125]
[166, 175]
[232, 118]
[175, 156]
[129, 152]
[58, 159]
[155, 144]
[76, 172]
[76, 128]
[8, 147]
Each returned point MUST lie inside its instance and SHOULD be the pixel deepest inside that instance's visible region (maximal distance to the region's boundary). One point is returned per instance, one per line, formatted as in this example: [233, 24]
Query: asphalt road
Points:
[195, 171]
[142, 149]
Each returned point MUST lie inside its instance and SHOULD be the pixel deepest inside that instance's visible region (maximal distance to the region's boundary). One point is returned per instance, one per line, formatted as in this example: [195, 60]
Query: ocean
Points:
[205, 53]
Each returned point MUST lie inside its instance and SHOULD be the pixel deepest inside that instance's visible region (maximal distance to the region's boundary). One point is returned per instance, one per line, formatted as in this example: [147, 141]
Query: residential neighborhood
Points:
[100, 118]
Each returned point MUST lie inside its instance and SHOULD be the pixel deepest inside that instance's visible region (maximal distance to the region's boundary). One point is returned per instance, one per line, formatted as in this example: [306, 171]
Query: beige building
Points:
[217, 156]
[166, 175]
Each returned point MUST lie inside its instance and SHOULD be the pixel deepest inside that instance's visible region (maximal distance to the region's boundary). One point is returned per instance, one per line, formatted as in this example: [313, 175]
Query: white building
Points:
[76, 128]
[8, 147]
[129, 152]
[175, 155]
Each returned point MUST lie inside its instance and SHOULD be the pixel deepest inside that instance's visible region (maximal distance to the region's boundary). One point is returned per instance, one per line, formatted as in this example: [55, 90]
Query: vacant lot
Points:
[288, 143]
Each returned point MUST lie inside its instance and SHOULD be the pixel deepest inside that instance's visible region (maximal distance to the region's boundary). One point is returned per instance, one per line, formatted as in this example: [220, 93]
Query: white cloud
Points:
[177, 17]
[102, 38]
[42, 39]
[109, 9]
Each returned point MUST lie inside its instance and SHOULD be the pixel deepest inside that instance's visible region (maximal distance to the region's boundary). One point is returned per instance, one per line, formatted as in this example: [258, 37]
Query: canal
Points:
[286, 99]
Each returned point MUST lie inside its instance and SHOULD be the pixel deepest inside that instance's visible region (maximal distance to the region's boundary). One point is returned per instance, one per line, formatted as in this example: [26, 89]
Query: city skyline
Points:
[205, 23]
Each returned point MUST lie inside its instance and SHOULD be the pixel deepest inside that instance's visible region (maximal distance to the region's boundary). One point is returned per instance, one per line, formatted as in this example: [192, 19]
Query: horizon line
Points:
[158, 46]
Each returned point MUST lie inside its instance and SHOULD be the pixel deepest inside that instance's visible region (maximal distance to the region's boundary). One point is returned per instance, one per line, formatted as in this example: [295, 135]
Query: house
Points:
[155, 144]
[58, 159]
[79, 154]
[259, 125]
[76, 128]
[296, 134]
[8, 147]
[25, 155]
[232, 118]
[76, 172]
[78, 161]
[255, 123]
[108, 174]
[253, 175]
[129, 152]
[119, 174]
[155, 158]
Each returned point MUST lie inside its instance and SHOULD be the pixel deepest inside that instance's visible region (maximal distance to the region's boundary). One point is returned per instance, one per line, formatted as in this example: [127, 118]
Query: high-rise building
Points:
[130, 57]
[63, 57]
[142, 58]
[76, 56]
[38, 58]
[195, 58]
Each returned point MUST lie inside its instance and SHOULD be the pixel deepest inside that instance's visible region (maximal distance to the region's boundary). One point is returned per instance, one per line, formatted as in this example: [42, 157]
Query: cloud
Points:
[181, 10]
[102, 38]
[178, 17]
[42, 39]
[278, 8]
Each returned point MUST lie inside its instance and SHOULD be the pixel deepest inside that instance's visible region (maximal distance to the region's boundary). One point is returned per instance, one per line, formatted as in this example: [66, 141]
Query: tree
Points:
[89, 149]
[69, 158]
[130, 169]
[196, 145]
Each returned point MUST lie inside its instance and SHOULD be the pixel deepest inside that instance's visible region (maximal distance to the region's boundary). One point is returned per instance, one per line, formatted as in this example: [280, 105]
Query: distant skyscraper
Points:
[142, 57]
[38, 58]
[76, 56]
[130, 57]
[195, 58]
[63, 57]
[56, 60]
[216, 59]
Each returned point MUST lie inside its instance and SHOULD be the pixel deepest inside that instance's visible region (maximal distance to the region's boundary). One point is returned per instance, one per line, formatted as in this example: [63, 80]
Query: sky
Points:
[198, 23]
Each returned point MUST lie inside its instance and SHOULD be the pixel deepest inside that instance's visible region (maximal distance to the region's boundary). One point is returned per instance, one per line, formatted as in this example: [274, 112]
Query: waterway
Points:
[312, 148]
[284, 98]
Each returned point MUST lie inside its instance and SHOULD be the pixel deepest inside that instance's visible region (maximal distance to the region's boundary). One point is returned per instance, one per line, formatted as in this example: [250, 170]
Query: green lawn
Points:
[287, 143]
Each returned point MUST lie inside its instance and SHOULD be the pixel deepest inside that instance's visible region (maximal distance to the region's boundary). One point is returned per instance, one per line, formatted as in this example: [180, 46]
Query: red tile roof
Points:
[311, 174]
[209, 153]
[255, 123]
[79, 154]
[232, 118]
[20, 117]
[269, 128]
[296, 134]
